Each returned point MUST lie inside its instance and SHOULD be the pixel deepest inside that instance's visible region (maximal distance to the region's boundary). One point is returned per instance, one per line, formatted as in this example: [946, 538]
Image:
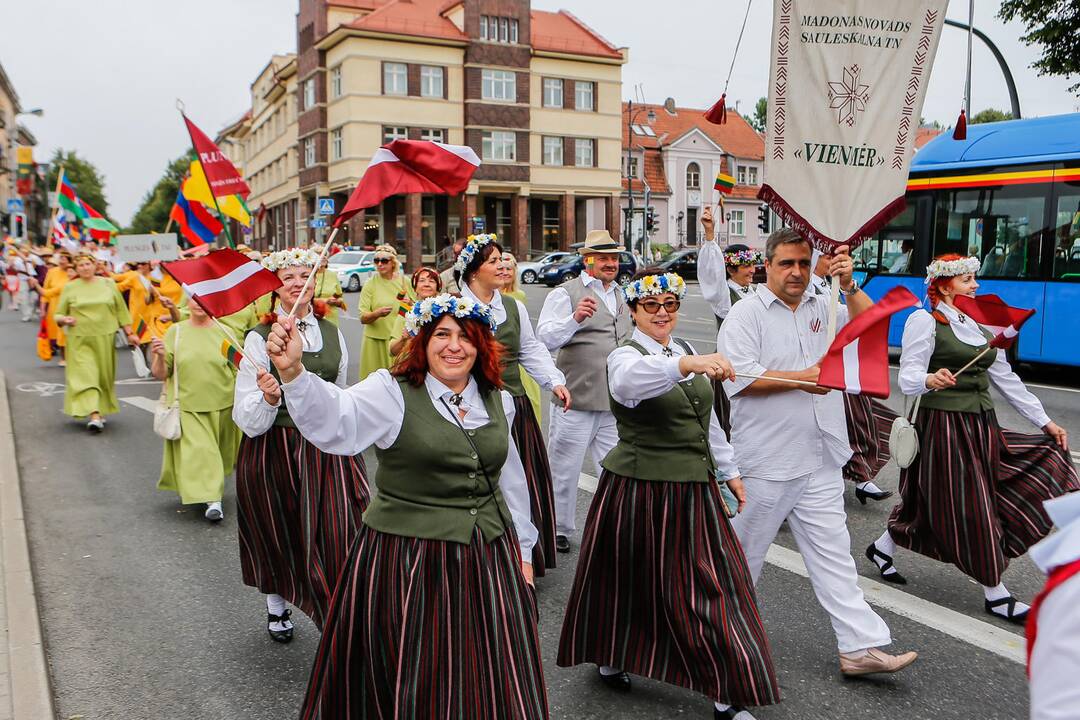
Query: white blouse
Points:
[347, 421]
[716, 286]
[534, 357]
[633, 377]
[918, 346]
[251, 412]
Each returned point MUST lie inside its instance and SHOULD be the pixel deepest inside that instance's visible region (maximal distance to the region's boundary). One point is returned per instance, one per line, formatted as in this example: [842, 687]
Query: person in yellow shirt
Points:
[328, 289]
[55, 280]
[379, 304]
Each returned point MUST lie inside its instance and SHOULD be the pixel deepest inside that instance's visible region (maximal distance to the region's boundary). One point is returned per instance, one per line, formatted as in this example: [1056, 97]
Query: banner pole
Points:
[221, 216]
[56, 210]
[315, 270]
[168, 227]
[974, 360]
[834, 307]
[767, 377]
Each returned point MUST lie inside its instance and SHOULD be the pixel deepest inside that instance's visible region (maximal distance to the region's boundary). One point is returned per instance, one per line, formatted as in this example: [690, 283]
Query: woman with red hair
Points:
[433, 615]
[298, 509]
[974, 495]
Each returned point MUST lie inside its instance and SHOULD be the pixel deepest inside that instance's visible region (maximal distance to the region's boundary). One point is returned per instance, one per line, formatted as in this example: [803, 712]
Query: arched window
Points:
[693, 176]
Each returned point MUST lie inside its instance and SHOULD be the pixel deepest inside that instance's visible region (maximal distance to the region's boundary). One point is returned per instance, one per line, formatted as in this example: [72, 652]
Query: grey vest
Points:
[583, 360]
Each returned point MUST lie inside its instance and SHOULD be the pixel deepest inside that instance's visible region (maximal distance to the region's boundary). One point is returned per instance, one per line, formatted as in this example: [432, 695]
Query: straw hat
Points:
[599, 242]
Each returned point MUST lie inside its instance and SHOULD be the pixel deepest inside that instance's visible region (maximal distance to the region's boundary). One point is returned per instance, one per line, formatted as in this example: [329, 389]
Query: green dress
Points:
[195, 466]
[90, 376]
[327, 287]
[532, 388]
[377, 293]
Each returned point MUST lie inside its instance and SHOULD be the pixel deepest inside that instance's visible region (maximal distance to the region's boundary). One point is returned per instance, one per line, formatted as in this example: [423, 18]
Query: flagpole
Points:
[56, 210]
[314, 270]
[778, 379]
[834, 307]
[168, 227]
[973, 360]
[221, 216]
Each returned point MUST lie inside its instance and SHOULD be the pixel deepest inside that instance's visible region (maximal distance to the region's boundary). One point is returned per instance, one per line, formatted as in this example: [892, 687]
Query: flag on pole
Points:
[194, 220]
[231, 353]
[197, 189]
[404, 305]
[411, 166]
[857, 362]
[724, 183]
[59, 232]
[223, 178]
[69, 199]
[995, 315]
[223, 282]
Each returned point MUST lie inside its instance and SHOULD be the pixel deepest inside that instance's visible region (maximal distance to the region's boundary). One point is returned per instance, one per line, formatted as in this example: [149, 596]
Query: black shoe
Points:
[861, 495]
[281, 636]
[1017, 618]
[730, 714]
[893, 577]
[619, 681]
[562, 544]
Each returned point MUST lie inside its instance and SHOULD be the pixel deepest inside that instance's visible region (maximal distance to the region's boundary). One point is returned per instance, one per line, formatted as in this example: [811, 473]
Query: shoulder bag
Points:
[903, 438]
[167, 416]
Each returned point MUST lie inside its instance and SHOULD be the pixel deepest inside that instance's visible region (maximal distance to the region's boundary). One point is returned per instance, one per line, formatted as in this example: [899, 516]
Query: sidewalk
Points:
[24, 677]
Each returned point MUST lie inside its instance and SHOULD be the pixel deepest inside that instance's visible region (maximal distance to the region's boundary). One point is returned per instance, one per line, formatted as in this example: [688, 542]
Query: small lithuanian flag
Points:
[231, 354]
[724, 183]
[404, 304]
[140, 328]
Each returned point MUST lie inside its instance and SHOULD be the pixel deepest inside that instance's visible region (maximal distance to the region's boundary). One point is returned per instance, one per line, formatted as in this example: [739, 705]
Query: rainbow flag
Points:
[231, 354]
[404, 304]
[724, 183]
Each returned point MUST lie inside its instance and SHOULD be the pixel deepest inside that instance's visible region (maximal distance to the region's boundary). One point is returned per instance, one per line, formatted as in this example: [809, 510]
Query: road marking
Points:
[143, 403]
[991, 638]
[1053, 387]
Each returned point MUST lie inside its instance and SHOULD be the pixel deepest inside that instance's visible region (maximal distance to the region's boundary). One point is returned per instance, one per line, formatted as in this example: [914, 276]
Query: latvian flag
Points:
[223, 282]
[858, 360]
[724, 183]
[992, 313]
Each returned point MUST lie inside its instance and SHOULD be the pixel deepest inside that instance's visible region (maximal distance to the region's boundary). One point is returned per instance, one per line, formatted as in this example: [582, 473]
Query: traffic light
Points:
[650, 219]
[763, 218]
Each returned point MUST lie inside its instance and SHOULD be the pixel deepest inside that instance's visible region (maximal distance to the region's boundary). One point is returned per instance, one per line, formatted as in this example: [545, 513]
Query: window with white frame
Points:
[337, 144]
[553, 151]
[498, 146]
[737, 223]
[335, 82]
[693, 176]
[741, 175]
[309, 152]
[309, 93]
[584, 152]
[584, 95]
[433, 135]
[751, 175]
[632, 167]
[431, 81]
[395, 79]
[391, 133]
[498, 29]
[498, 85]
[553, 93]
[483, 27]
[513, 30]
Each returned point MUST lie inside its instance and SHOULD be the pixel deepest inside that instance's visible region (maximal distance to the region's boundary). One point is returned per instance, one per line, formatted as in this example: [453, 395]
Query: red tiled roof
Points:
[925, 135]
[654, 174]
[410, 17]
[565, 33]
[357, 4]
[735, 137]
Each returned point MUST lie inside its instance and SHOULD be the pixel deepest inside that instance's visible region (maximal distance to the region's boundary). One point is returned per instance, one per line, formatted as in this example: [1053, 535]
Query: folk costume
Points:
[55, 280]
[379, 292]
[298, 508]
[432, 616]
[532, 388]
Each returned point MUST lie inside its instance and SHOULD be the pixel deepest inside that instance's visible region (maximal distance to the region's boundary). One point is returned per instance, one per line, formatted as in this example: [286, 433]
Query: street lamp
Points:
[631, 115]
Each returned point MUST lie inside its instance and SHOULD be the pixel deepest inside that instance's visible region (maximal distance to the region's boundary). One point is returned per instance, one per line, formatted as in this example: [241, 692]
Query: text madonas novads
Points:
[853, 30]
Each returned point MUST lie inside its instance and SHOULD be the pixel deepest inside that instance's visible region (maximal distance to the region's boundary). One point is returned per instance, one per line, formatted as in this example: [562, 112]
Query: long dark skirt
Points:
[298, 510]
[722, 406]
[429, 629]
[973, 497]
[529, 441]
[662, 590]
[868, 425]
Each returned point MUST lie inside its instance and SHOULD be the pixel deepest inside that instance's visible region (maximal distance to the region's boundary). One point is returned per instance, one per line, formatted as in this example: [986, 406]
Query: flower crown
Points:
[431, 309]
[472, 246]
[288, 258]
[655, 285]
[952, 268]
[743, 257]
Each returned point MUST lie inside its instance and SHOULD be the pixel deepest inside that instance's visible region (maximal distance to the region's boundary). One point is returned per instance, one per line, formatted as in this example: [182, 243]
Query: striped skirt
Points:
[429, 629]
[973, 497]
[662, 590]
[869, 422]
[722, 406]
[530, 446]
[298, 510]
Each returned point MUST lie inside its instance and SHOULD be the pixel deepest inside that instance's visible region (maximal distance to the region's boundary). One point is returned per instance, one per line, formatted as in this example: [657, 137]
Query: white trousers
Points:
[570, 435]
[813, 505]
[1055, 660]
[22, 299]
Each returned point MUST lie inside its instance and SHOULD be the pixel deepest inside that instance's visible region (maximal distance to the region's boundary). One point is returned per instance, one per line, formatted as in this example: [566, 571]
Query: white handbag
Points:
[120, 339]
[166, 416]
[903, 439]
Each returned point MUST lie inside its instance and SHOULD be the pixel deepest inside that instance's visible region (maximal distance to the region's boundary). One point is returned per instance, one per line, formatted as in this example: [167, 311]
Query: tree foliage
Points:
[761, 112]
[88, 182]
[1053, 24]
[990, 115]
[153, 212]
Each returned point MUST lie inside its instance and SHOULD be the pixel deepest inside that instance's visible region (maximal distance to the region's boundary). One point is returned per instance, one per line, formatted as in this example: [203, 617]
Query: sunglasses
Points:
[382, 260]
[653, 306]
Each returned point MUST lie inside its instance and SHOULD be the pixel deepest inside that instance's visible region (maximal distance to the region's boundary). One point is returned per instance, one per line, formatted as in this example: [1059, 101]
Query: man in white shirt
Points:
[585, 319]
[791, 441]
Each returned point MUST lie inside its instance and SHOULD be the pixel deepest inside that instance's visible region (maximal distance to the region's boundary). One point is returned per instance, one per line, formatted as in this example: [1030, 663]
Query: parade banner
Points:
[846, 89]
[145, 248]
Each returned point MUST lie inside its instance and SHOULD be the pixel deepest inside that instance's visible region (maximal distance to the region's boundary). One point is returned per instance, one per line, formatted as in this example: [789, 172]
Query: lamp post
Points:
[631, 114]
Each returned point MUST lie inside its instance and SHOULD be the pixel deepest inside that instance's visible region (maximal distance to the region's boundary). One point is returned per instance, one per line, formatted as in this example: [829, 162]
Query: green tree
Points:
[761, 113]
[1053, 24]
[990, 115]
[81, 173]
[153, 212]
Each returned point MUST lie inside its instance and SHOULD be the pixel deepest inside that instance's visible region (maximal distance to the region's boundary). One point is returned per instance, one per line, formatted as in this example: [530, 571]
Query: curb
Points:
[31, 695]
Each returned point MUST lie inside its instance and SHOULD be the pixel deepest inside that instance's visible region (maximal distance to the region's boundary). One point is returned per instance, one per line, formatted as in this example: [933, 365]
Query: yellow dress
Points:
[327, 287]
[532, 388]
[90, 376]
[171, 289]
[55, 280]
[143, 306]
[377, 293]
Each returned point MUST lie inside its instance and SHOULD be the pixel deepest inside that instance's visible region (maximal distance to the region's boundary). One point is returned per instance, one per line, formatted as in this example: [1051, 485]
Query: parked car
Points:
[353, 268]
[527, 271]
[572, 266]
[683, 262]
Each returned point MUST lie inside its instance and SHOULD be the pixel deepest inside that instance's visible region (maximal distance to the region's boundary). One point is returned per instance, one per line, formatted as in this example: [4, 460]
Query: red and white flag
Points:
[992, 313]
[223, 281]
[858, 360]
[220, 173]
[412, 166]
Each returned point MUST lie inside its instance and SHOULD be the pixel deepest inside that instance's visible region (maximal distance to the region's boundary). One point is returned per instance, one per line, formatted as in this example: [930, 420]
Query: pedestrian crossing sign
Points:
[326, 206]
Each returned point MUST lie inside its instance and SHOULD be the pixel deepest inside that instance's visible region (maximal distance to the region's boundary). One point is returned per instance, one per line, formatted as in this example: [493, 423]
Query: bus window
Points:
[1067, 233]
[890, 250]
[1001, 226]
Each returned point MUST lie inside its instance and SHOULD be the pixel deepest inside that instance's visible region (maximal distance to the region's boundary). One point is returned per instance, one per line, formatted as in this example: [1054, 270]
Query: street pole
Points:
[1010, 83]
[967, 85]
[628, 236]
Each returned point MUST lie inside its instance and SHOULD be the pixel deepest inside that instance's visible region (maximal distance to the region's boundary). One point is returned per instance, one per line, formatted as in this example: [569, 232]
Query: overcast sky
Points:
[107, 72]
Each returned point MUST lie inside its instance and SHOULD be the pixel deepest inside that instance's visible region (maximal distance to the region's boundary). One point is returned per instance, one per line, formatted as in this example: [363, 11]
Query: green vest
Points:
[665, 438]
[323, 363]
[431, 483]
[972, 390]
[509, 334]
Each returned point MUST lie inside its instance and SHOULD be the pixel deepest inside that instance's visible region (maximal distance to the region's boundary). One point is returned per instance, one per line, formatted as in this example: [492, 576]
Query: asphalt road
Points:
[145, 615]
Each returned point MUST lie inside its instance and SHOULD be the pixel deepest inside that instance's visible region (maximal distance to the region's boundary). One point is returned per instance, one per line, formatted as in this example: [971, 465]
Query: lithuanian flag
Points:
[231, 354]
[404, 304]
[724, 183]
[140, 329]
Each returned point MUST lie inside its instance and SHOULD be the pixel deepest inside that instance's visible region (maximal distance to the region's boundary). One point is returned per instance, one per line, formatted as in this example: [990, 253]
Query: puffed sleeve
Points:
[514, 489]
[723, 452]
[251, 412]
[917, 346]
[1012, 387]
[633, 377]
[534, 357]
[712, 278]
[342, 379]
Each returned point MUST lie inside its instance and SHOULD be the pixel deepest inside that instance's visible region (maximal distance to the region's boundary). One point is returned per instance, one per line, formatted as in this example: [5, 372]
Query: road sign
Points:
[325, 207]
[14, 205]
[478, 224]
[317, 223]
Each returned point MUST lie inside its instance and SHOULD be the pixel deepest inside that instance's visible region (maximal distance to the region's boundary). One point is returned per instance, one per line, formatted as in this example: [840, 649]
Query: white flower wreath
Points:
[952, 268]
[473, 244]
[431, 309]
[289, 258]
[655, 285]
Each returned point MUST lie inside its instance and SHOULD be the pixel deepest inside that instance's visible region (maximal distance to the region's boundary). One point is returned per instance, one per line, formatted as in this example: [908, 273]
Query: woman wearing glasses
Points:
[380, 300]
[662, 588]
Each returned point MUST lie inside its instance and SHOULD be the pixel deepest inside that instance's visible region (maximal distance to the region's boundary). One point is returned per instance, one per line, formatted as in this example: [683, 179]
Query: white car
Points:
[527, 271]
[353, 268]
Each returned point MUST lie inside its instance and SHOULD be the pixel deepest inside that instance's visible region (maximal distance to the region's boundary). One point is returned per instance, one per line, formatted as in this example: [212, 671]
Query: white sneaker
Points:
[96, 425]
[213, 511]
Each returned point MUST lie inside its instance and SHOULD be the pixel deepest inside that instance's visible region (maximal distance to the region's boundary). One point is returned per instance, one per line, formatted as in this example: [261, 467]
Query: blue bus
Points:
[1009, 194]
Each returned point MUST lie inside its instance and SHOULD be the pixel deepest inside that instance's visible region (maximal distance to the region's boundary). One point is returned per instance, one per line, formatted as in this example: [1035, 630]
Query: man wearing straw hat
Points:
[584, 319]
[791, 441]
